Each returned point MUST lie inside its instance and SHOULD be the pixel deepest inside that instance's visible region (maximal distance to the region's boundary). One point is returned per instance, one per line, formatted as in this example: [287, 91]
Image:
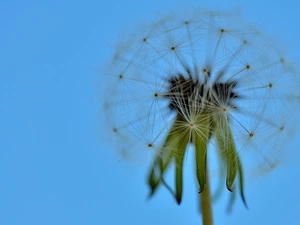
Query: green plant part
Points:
[200, 118]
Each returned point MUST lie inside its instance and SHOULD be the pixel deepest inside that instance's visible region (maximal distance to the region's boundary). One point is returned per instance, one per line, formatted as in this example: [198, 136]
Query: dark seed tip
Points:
[200, 190]
[230, 188]
[178, 200]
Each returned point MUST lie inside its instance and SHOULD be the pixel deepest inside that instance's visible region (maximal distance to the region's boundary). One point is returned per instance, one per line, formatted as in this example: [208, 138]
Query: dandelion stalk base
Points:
[206, 206]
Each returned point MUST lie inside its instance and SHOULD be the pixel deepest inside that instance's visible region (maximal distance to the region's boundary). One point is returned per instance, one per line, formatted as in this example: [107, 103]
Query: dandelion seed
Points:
[198, 80]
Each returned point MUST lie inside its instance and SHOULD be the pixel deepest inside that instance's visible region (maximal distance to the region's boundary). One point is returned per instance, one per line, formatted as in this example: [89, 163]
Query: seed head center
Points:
[186, 95]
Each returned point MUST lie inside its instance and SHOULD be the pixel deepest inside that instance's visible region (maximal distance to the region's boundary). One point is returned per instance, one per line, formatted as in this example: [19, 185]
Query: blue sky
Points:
[54, 166]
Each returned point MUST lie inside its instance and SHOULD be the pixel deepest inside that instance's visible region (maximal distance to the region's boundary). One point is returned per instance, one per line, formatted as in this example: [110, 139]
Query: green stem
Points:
[206, 206]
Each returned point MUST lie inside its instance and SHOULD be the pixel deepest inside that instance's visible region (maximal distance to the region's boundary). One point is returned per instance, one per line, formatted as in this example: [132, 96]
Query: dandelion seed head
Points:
[204, 66]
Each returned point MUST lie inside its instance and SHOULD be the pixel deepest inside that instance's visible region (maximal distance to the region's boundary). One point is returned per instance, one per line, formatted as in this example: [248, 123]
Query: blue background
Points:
[54, 166]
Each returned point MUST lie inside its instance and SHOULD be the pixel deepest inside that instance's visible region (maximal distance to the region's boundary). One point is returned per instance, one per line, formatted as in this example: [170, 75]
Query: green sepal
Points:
[179, 157]
[165, 156]
[241, 183]
[241, 190]
[226, 144]
[229, 155]
[155, 175]
[200, 140]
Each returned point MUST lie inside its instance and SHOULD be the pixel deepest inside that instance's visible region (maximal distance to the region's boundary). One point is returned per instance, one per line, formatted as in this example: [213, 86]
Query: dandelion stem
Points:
[206, 206]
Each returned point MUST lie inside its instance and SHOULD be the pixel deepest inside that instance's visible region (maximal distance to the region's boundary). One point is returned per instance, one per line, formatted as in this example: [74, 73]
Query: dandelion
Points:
[201, 81]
